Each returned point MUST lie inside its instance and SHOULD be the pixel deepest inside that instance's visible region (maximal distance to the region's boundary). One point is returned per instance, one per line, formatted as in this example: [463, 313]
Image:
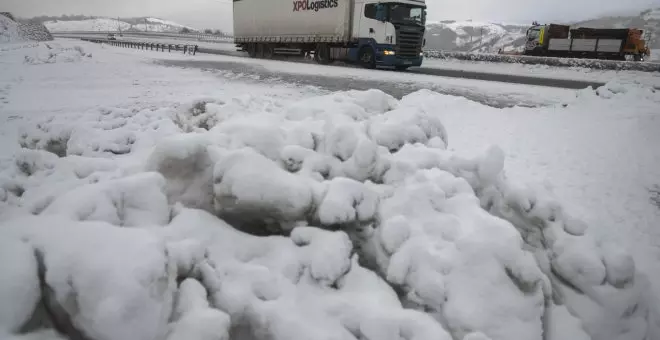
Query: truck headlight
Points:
[421, 54]
[389, 52]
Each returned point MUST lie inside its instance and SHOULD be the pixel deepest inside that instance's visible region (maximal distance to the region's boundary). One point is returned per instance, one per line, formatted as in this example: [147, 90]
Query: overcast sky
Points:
[217, 13]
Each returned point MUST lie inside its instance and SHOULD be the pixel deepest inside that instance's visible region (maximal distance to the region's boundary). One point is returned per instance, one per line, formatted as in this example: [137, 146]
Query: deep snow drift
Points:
[256, 213]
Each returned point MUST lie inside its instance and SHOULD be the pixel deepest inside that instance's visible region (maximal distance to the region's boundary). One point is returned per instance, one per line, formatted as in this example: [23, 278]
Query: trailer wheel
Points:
[367, 57]
[252, 50]
[268, 51]
[322, 54]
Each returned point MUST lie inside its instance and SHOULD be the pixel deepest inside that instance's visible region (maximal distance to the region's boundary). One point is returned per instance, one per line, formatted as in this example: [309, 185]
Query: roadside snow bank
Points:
[47, 54]
[343, 216]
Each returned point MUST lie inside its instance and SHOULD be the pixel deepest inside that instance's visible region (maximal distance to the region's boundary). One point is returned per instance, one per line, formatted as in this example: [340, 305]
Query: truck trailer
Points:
[367, 32]
[596, 43]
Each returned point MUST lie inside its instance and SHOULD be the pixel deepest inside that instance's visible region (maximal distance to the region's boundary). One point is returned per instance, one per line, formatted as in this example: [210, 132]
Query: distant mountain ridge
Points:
[470, 36]
[84, 23]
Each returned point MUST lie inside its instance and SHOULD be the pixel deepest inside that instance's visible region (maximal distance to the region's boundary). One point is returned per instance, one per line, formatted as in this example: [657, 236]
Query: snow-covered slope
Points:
[471, 36]
[109, 24]
[9, 30]
[648, 20]
[12, 31]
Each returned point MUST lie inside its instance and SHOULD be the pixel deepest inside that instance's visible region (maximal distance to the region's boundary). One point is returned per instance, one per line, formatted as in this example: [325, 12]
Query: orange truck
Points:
[595, 43]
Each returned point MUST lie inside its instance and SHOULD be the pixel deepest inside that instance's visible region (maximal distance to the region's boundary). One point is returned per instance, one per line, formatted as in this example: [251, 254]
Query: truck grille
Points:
[409, 41]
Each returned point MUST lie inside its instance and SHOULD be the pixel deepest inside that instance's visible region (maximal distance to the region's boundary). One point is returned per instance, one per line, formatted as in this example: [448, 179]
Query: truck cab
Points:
[388, 33]
[535, 35]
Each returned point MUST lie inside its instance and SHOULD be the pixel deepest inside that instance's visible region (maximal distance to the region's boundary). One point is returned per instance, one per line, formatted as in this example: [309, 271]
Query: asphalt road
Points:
[484, 76]
[397, 89]
[226, 49]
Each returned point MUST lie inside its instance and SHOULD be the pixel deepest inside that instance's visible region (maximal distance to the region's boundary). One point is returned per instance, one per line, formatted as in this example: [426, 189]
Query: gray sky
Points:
[217, 13]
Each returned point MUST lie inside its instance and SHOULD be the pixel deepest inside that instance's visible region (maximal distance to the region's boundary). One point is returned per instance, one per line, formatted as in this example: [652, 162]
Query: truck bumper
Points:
[393, 60]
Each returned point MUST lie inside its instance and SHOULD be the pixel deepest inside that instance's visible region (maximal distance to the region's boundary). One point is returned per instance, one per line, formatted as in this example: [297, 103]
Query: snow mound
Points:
[345, 216]
[48, 54]
[9, 31]
[12, 31]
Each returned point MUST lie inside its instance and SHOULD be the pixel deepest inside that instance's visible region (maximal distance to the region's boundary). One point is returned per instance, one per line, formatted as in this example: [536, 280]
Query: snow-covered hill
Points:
[109, 24]
[648, 20]
[471, 36]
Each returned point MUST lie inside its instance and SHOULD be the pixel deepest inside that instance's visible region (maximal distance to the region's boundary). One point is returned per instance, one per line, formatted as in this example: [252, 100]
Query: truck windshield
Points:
[533, 33]
[400, 13]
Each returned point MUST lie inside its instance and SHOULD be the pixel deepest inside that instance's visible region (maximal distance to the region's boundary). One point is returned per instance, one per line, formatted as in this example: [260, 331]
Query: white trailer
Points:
[368, 32]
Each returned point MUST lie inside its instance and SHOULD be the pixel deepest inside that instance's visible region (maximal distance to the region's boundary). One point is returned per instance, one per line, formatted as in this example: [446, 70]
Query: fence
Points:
[187, 49]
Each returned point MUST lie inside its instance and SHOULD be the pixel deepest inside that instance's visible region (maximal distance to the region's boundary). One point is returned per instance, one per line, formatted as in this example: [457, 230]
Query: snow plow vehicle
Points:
[367, 32]
[595, 43]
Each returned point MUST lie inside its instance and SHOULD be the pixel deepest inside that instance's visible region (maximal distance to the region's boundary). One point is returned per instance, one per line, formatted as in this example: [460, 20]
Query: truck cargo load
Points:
[599, 33]
[366, 32]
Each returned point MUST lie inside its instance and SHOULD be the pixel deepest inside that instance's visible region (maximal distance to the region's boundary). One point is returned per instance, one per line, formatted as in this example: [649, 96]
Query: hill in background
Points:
[469, 36]
[465, 36]
[68, 23]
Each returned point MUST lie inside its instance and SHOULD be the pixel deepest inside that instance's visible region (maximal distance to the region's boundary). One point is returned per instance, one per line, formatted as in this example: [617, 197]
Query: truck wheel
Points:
[366, 57]
[401, 67]
[260, 50]
[322, 54]
[268, 51]
[252, 50]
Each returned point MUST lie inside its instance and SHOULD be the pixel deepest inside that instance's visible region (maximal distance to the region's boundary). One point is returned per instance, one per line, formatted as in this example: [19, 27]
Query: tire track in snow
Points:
[396, 89]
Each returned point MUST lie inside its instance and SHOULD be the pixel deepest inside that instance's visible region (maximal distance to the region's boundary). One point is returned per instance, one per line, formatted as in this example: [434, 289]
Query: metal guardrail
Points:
[141, 45]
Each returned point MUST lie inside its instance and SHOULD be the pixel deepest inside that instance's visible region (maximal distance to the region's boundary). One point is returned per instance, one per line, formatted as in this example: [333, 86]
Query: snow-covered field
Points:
[135, 201]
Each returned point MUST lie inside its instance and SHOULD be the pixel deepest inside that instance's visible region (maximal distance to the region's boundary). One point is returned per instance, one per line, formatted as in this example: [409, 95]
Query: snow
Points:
[168, 203]
[653, 14]
[109, 24]
[528, 95]
[473, 36]
[91, 25]
[545, 71]
[9, 32]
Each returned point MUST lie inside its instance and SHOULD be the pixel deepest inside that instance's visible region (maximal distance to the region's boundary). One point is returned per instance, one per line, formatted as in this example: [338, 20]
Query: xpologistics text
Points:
[306, 5]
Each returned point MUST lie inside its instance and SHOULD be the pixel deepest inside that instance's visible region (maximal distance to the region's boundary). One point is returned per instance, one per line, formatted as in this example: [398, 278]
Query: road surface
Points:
[229, 50]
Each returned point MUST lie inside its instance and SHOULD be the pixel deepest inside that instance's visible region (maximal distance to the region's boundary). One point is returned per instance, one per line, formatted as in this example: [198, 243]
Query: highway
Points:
[228, 49]
[484, 76]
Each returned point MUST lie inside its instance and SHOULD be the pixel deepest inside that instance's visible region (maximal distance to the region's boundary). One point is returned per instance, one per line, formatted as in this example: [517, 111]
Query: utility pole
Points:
[146, 25]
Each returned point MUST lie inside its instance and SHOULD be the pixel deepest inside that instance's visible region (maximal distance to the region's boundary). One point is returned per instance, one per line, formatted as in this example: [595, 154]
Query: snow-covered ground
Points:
[130, 194]
[546, 71]
[655, 55]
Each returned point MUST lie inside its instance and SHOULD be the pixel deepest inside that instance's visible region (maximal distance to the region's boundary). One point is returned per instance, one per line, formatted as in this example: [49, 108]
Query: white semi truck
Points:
[368, 32]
